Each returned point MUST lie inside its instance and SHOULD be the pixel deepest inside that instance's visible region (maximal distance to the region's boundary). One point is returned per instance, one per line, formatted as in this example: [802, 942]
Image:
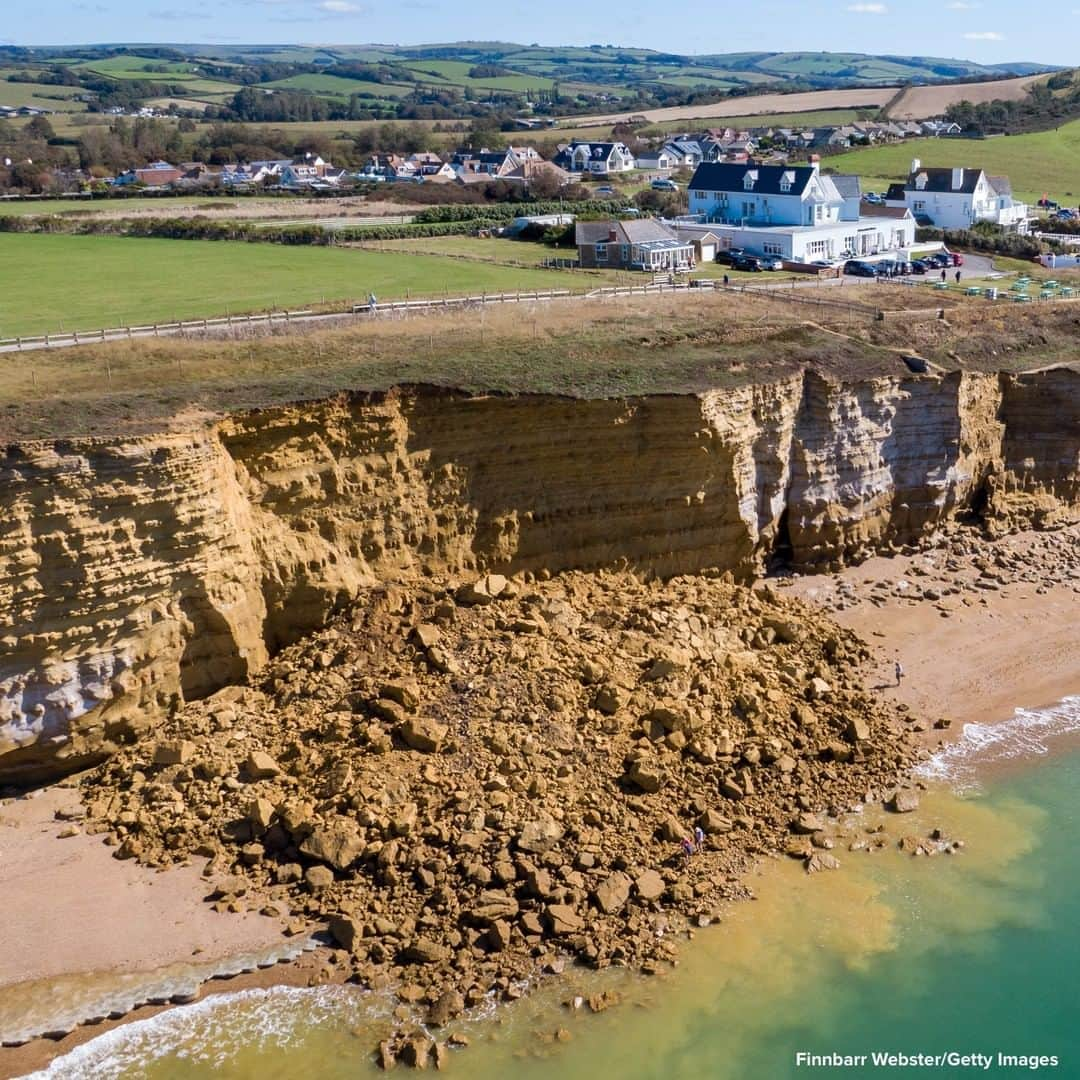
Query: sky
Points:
[987, 31]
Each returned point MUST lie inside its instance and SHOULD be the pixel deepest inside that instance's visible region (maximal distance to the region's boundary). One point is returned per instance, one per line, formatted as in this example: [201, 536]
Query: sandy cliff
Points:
[137, 573]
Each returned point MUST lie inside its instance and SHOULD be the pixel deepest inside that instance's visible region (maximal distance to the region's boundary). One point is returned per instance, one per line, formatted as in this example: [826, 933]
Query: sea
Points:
[895, 965]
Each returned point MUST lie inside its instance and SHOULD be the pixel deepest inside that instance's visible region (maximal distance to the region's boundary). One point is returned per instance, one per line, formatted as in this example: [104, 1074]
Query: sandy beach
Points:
[974, 654]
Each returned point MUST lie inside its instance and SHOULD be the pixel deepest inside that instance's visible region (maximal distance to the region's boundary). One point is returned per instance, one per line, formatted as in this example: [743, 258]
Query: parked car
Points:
[1065, 214]
[939, 260]
[957, 258]
[746, 262]
[870, 197]
[920, 266]
[664, 185]
[729, 255]
[605, 189]
[859, 269]
[770, 262]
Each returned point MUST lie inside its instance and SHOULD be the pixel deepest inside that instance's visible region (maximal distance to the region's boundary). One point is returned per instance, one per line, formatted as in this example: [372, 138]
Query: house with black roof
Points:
[956, 198]
[598, 158]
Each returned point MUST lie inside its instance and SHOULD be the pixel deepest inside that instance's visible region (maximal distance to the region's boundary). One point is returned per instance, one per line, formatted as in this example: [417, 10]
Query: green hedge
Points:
[508, 211]
[996, 242]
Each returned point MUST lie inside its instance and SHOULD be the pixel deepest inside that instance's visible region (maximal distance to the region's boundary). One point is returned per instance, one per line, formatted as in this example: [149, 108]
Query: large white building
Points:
[957, 198]
[796, 213]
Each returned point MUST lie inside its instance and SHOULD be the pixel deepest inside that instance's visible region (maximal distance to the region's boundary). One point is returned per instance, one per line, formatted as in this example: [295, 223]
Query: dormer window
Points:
[786, 180]
[750, 179]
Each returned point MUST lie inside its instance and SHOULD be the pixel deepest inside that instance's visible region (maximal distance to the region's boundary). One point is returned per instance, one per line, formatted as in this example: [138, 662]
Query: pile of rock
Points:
[470, 782]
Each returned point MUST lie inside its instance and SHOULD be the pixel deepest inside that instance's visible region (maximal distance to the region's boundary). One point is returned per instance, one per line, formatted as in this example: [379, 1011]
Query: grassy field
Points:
[87, 282]
[41, 96]
[919, 102]
[1047, 161]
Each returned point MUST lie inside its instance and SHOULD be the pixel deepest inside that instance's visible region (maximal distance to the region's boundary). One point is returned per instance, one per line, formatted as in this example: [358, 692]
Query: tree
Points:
[40, 128]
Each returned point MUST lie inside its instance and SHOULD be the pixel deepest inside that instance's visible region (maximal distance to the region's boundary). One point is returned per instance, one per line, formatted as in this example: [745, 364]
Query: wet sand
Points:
[85, 911]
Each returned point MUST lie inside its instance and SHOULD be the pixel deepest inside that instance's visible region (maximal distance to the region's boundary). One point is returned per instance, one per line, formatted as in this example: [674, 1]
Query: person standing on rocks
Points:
[899, 671]
[687, 848]
[699, 839]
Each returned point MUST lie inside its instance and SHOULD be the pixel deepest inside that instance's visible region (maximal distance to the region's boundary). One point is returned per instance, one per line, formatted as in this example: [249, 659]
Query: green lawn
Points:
[54, 282]
[1045, 162]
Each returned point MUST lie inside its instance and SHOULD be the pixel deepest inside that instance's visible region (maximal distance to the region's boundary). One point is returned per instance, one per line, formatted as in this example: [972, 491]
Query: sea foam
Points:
[1027, 733]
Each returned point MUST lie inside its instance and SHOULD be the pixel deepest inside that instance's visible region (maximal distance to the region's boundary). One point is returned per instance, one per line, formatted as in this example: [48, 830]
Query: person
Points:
[372, 303]
[944, 275]
[687, 848]
[957, 277]
[899, 669]
[726, 281]
[699, 839]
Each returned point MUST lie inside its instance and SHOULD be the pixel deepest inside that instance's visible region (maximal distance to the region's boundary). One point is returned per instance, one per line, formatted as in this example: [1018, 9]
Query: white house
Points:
[600, 159]
[793, 212]
[660, 160]
[956, 198]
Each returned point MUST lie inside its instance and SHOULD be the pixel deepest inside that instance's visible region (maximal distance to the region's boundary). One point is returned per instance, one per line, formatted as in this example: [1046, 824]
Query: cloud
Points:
[985, 35]
[868, 9]
[339, 7]
[178, 14]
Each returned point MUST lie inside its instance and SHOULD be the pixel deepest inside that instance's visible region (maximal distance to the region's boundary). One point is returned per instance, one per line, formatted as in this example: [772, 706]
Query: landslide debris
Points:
[471, 782]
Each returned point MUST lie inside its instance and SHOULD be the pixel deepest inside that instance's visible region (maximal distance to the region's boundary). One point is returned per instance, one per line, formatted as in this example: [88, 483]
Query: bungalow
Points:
[632, 245]
[601, 159]
[688, 153]
[661, 160]
[956, 198]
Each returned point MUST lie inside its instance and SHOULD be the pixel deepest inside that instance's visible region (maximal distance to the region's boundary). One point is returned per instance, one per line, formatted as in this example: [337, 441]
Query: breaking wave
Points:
[1026, 734]
[211, 1032]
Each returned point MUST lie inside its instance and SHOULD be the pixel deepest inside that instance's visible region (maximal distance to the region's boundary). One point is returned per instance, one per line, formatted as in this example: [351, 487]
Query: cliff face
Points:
[137, 573]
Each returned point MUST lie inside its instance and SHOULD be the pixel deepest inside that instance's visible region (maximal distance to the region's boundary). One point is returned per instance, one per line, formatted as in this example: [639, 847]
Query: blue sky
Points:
[988, 31]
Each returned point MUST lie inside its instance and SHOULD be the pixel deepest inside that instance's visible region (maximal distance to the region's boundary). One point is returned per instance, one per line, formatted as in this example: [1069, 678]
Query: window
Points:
[919, 205]
[601, 252]
[816, 247]
[771, 247]
[625, 256]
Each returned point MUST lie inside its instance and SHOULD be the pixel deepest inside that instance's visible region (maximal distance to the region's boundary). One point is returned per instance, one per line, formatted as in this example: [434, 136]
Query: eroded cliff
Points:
[137, 573]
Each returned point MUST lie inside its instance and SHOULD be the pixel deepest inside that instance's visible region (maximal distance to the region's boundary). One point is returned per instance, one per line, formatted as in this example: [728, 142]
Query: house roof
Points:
[719, 176]
[848, 185]
[895, 192]
[876, 210]
[941, 180]
[642, 231]
[1001, 184]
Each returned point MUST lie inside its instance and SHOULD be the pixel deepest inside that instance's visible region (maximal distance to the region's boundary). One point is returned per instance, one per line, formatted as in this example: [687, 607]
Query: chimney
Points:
[815, 162]
[612, 234]
[957, 179]
[916, 164]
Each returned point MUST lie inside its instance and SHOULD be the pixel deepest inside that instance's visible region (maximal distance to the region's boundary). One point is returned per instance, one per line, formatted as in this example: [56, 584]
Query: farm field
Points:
[871, 97]
[920, 102]
[139, 281]
[1043, 162]
[41, 96]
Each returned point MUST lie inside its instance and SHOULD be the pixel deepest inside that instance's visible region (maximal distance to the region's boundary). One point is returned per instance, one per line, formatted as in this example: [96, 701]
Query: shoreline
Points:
[989, 630]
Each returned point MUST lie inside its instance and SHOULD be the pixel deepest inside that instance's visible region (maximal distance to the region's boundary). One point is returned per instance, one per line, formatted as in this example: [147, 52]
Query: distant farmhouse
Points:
[794, 212]
[957, 198]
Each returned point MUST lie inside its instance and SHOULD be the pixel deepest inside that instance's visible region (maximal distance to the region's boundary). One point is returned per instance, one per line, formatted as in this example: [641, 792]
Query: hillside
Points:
[920, 102]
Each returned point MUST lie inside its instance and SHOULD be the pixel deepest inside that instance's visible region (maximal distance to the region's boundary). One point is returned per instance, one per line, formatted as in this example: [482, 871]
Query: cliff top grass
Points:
[627, 347]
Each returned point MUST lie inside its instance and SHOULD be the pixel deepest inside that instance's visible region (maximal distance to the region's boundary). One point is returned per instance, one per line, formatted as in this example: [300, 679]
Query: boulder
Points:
[650, 885]
[416, 1052]
[539, 835]
[338, 844]
[609, 699]
[904, 801]
[174, 752]
[498, 936]
[713, 822]
[670, 717]
[806, 824]
[731, 789]
[645, 775]
[423, 950]
[261, 766]
[423, 734]
[821, 860]
[858, 730]
[260, 813]
[492, 904]
[563, 919]
[612, 893]
[481, 591]
[445, 1007]
[426, 635]
[346, 931]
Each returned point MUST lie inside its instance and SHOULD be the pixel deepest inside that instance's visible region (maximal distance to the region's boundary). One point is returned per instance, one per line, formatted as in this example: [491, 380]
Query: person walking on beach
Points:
[899, 670]
[699, 839]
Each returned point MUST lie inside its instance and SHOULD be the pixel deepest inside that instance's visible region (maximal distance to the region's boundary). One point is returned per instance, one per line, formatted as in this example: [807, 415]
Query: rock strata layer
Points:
[138, 574]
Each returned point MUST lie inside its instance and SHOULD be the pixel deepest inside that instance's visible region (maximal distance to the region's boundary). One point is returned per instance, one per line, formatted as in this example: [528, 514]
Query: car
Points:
[957, 258]
[728, 255]
[1065, 215]
[939, 260]
[746, 262]
[870, 197]
[920, 266]
[630, 211]
[859, 269]
[605, 189]
[770, 262]
[664, 185]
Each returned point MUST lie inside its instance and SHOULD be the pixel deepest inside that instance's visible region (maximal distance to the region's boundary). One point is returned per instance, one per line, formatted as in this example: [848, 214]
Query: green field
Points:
[41, 96]
[54, 283]
[1045, 162]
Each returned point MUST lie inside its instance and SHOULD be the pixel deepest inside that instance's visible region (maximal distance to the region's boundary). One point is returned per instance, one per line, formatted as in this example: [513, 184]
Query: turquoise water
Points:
[975, 953]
